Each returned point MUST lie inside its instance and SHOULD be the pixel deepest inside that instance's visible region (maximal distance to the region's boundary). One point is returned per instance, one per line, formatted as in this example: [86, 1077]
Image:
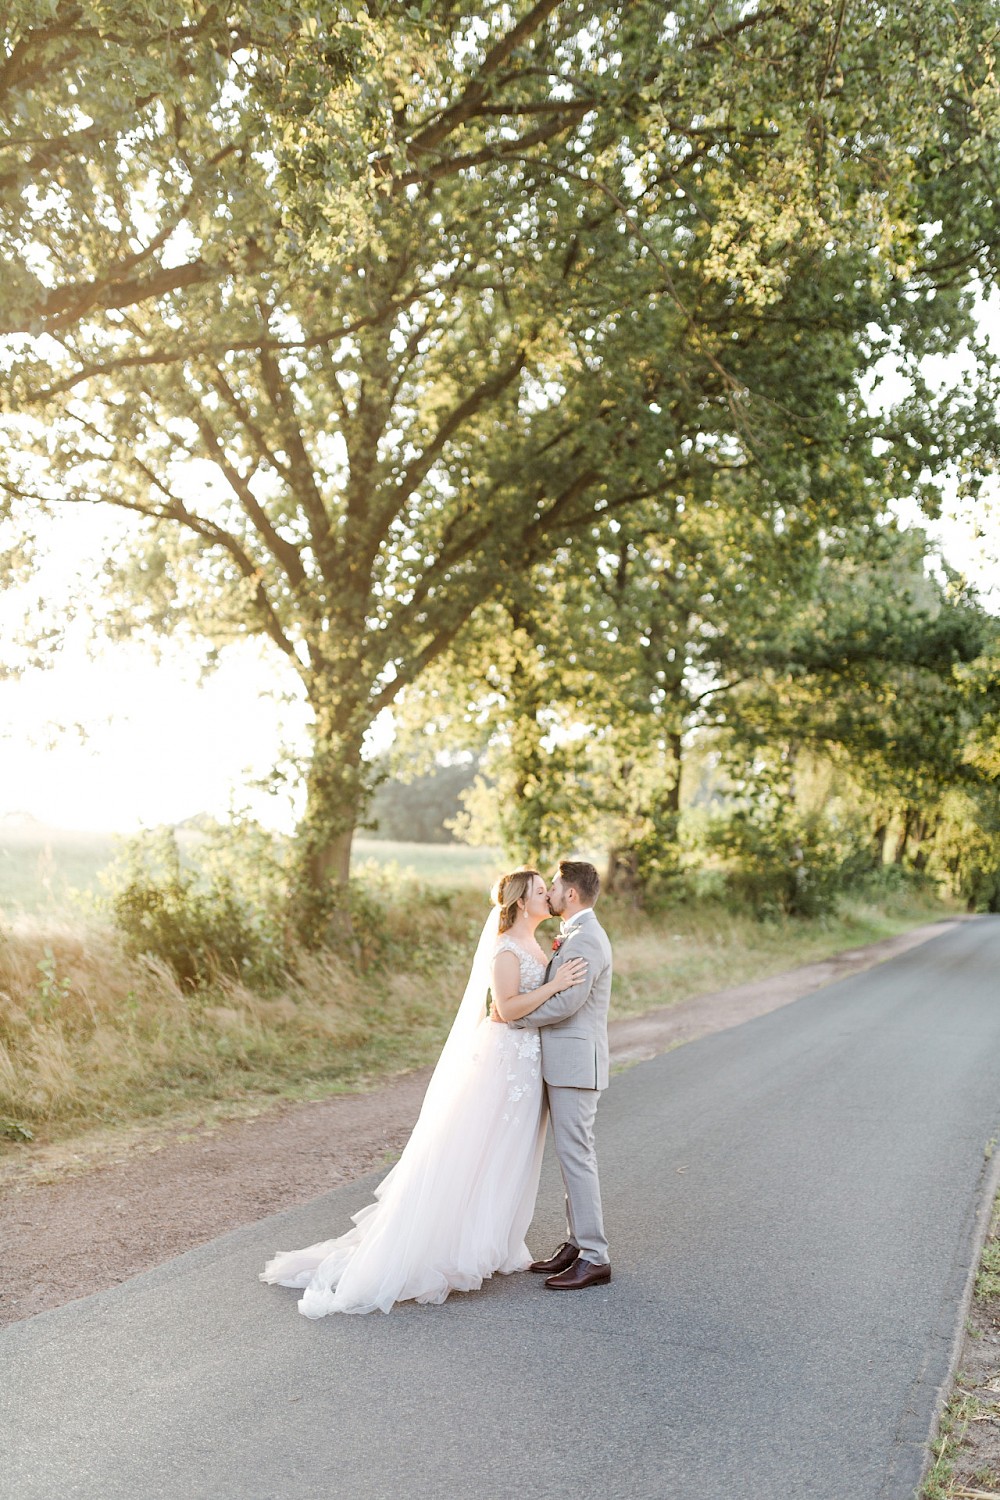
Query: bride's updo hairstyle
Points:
[508, 891]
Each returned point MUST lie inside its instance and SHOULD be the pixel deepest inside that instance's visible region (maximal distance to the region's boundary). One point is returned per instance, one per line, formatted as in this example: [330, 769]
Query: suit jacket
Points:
[573, 1025]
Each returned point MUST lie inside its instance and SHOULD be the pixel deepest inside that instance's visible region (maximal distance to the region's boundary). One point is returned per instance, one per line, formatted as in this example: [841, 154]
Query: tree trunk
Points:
[524, 818]
[336, 795]
[330, 863]
[878, 845]
[923, 833]
[904, 837]
[623, 874]
[672, 801]
[631, 863]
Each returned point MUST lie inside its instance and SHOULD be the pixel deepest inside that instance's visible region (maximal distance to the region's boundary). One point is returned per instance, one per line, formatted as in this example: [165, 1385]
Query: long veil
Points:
[453, 1062]
[456, 1206]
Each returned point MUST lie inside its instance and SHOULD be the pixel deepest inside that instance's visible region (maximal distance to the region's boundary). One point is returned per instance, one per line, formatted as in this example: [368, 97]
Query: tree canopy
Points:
[368, 314]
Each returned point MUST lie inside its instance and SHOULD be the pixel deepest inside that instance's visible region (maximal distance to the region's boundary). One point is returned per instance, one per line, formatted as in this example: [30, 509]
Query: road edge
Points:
[914, 1445]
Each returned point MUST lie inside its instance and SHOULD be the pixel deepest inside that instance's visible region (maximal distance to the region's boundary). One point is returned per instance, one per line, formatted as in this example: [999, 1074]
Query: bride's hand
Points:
[570, 973]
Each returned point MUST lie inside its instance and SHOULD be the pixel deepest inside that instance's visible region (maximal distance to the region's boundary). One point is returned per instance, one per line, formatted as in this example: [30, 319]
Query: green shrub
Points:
[199, 922]
[214, 904]
[780, 862]
[966, 849]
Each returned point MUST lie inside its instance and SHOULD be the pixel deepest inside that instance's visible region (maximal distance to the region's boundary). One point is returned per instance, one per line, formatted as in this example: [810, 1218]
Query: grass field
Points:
[446, 866]
[48, 871]
[42, 869]
[96, 1044]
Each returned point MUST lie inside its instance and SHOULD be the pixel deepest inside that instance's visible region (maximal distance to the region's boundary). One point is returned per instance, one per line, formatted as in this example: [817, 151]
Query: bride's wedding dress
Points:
[456, 1206]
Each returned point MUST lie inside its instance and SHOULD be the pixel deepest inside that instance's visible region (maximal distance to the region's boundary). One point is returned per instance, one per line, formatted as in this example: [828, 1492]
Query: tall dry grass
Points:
[699, 948]
[90, 1037]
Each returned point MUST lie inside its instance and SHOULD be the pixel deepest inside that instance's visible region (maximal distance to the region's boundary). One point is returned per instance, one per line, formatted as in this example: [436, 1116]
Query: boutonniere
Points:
[557, 943]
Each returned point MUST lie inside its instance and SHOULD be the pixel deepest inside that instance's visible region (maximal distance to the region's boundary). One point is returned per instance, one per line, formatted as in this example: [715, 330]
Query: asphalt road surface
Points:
[792, 1207]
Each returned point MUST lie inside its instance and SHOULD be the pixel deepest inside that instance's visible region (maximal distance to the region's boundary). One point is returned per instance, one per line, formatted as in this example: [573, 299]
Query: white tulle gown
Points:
[456, 1206]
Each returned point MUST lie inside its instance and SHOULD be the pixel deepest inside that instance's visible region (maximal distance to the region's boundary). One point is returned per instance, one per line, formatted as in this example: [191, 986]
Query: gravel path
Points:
[160, 1197]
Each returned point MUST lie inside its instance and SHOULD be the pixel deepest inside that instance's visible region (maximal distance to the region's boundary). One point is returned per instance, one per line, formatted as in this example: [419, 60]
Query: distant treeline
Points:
[419, 811]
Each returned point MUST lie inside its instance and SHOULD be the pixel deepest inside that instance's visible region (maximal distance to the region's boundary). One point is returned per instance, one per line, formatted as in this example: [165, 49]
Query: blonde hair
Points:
[509, 890]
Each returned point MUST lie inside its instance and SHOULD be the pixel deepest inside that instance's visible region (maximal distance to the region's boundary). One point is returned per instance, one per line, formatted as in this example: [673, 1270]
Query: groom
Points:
[573, 1028]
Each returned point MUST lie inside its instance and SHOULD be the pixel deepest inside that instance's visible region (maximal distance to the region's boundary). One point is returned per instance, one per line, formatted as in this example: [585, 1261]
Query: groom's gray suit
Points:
[573, 1029]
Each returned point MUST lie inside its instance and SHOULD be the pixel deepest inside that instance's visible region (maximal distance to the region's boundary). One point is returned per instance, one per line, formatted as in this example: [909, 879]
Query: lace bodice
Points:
[519, 1050]
[532, 972]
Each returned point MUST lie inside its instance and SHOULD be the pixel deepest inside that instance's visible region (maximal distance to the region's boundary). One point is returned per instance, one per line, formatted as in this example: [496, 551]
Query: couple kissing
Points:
[529, 1043]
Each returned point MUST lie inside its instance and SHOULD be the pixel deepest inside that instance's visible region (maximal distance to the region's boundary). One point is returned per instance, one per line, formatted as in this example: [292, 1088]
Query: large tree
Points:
[887, 676]
[362, 316]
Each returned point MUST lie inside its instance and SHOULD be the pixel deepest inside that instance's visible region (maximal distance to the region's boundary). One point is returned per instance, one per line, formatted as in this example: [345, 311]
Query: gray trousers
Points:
[572, 1112]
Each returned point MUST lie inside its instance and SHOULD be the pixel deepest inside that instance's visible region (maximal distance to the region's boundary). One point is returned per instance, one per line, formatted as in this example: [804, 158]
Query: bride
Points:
[457, 1204]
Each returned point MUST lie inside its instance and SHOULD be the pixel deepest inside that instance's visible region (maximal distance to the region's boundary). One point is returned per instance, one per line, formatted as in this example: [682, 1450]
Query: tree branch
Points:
[487, 391]
[175, 510]
[302, 471]
[496, 153]
[723, 35]
[67, 304]
[432, 135]
[188, 351]
[285, 553]
[249, 424]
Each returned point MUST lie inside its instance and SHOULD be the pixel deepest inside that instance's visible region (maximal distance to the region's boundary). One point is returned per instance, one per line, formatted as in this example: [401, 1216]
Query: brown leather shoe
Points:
[580, 1274]
[561, 1261]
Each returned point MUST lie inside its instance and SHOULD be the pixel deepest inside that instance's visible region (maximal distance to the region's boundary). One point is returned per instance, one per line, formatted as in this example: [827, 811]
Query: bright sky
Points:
[120, 741]
[111, 738]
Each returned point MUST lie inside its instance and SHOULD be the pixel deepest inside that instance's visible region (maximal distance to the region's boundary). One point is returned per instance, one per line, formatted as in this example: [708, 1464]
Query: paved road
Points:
[792, 1207]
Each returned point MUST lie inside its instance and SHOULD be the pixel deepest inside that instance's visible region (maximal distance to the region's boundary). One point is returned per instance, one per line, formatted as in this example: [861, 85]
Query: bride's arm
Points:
[509, 1005]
